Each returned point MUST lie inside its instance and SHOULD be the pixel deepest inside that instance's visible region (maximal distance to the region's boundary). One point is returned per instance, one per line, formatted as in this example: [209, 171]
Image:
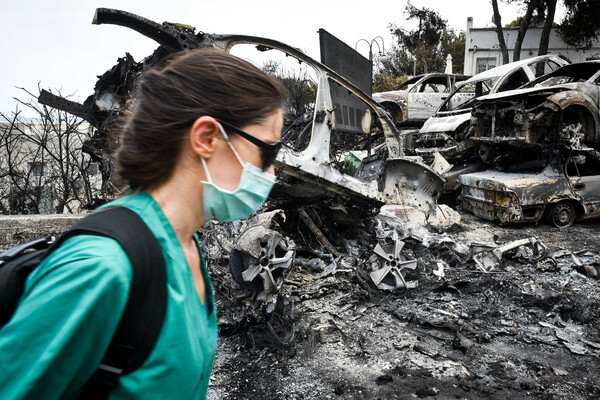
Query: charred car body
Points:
[535, 114]
[311, 168]
[316, 149]
[552, 122]
[448, 129]
[564, 191]
[415, 100]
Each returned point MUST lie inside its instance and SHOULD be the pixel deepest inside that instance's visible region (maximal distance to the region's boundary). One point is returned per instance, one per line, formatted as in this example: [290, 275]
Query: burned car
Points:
[537, 114]
[415, 100]
[312, 168]
[550, 125]
[341, 119]
[565, 190]
[447, 130]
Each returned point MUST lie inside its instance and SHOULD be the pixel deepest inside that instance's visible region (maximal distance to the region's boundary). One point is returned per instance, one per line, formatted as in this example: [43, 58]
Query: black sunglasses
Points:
[268, 150]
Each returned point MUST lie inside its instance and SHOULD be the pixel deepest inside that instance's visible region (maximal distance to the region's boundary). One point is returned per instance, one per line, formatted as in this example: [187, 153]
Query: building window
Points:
[483, 64]
[36, 168]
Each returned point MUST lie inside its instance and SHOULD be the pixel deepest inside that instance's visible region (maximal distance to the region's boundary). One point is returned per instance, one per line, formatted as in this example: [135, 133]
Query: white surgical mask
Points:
[253, 189]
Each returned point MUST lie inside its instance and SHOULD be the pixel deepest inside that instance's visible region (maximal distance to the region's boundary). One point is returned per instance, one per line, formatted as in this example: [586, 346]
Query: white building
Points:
[34, 158]
[482, 50]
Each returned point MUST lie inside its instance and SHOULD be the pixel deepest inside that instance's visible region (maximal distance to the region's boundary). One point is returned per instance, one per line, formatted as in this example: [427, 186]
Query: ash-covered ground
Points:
[529, 329]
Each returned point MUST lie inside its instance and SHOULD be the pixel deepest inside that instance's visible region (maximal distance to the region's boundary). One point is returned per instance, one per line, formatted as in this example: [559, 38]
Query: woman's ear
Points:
[204, 134]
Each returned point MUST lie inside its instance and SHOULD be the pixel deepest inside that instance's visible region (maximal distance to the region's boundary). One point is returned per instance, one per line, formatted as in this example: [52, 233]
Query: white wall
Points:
[483, 43]
[26, 158]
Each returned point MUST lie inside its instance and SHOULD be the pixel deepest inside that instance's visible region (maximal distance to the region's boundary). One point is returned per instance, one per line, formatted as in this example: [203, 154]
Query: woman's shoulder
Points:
[87, 260]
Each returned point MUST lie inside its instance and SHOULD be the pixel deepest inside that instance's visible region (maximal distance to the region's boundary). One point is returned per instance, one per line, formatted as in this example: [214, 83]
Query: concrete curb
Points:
[17, 229]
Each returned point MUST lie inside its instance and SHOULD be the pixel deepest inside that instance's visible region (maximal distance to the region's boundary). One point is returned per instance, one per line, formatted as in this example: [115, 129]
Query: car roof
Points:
[440, 74]
[585, 69]
[503, 69]
[417, 78]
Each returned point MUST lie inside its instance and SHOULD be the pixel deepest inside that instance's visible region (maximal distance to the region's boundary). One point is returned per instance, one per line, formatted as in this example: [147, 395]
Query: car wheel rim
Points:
[563, 215]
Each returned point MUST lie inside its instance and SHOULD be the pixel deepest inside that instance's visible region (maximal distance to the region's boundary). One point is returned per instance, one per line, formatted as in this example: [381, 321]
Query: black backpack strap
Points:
[38, 244]
[15, 266]
[142, 319]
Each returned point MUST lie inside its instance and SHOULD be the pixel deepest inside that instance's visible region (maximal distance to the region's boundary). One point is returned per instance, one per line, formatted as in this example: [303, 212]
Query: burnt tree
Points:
[500, 32]
[43, 167]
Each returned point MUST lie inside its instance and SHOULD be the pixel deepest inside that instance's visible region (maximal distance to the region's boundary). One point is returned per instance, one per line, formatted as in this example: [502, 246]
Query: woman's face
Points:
[226, 169]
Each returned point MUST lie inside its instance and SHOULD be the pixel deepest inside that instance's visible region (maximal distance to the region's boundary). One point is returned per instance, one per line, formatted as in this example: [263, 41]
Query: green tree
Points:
[548, 23]
[425, 48]
[581, 24]
[497, 18]
[535, 13]
[383, 82]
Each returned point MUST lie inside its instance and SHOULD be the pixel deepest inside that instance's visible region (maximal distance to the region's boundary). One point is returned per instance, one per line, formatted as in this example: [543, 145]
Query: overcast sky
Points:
[53, 43]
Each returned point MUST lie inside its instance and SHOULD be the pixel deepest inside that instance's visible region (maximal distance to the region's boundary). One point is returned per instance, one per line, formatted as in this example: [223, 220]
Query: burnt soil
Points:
[526, 330]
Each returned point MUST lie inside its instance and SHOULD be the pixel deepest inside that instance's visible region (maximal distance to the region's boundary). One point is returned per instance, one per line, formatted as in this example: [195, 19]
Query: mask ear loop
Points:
[232, 148]
[206, 170]
[230, 145]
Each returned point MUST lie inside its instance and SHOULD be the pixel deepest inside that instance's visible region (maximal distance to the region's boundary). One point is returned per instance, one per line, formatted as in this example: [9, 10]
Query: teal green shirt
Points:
[71, 307]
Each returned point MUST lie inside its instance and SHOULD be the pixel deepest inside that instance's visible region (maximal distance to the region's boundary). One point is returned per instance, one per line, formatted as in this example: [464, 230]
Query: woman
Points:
[198, 143]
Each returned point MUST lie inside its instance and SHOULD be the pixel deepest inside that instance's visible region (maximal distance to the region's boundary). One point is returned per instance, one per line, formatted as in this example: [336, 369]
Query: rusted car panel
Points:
[564, 191]
[307, 170]
[417, 99]
[512, 197]
[588, 188]
[445, 132]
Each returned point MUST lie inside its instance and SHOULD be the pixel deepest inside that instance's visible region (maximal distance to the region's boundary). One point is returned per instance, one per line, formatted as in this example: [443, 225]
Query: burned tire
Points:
[261, 259]
[561, 214]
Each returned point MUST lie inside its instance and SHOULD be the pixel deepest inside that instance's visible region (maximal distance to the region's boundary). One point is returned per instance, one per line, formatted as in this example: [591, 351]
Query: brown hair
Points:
[169, 99]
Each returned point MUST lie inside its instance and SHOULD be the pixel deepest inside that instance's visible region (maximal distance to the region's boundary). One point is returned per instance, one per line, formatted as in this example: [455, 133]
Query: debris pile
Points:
[526, 328]
[487, 258]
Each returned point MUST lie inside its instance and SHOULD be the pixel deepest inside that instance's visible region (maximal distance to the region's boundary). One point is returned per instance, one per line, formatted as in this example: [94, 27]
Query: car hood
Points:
[446, 123]
[527, 91]
[509, 180]
[530, 188]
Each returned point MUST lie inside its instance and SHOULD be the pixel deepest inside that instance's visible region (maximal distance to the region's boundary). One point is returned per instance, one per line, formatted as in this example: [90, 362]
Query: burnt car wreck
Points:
[449, 129]
[543, 140]
[520, 155]
[448, 132]
[415, 100]
[567, 189]
[539, 112]
[316, 149]
[344, 122]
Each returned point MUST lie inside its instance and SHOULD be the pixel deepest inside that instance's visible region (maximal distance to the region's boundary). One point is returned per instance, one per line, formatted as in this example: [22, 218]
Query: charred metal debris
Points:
[527, 154]
[322, 147]
[340, 165]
